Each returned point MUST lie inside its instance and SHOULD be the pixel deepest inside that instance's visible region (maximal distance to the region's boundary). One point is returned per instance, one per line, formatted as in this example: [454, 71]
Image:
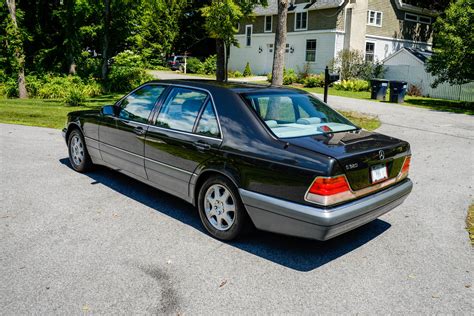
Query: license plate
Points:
[378, 173]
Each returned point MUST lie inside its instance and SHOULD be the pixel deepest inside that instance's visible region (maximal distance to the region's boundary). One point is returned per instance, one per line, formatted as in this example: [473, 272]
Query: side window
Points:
[207, 125]
[138, 105]
[181, 109]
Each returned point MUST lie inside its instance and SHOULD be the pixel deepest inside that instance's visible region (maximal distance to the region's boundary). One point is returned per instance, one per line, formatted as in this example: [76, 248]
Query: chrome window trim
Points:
[185, 133]
[346, 196]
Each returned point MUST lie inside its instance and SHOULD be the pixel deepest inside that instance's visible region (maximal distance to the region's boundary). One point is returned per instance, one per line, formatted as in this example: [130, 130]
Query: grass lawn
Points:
[45, 113]
[429, 103]
[362, 120]
[52, 113]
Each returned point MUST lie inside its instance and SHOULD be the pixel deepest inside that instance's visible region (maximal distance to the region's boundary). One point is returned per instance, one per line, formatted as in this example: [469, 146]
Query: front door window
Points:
[138, 105]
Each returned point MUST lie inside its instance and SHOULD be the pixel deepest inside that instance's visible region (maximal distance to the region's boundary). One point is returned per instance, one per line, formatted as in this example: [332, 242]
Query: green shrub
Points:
[75, 96]
[235, 74]
[289, 76]
[314, 81]
[128, 58]
[89, 66]
[56, 87]
[123, 79]
[92, 88]
[33, 85]
[127, 72]
[247, 70]
[210, 65]
[194, 66]
[11, 88]
[303, 74]
[354, 85]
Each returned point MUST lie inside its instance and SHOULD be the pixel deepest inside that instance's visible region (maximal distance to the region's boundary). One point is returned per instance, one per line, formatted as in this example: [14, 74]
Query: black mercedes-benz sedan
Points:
[275, 157]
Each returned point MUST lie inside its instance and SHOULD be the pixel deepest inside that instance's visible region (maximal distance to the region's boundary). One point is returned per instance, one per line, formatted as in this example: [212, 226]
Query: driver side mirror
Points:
[108, 110]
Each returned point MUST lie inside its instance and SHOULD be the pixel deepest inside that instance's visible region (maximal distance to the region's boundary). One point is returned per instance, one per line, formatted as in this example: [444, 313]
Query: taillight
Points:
[406, 165]
[329, 190]
[329, 186]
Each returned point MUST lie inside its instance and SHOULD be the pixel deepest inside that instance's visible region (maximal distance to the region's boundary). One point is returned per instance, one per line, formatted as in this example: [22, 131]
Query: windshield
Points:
[296, 115]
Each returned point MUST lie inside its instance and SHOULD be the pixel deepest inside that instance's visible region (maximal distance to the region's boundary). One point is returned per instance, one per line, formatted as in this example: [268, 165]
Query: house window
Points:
[374, 18]
[270, 48]
[268, 23]
[248, 35]
[424, 19]
[311, 50]
[369, 52]
[411, 17]
[417, 18]
[301, 21]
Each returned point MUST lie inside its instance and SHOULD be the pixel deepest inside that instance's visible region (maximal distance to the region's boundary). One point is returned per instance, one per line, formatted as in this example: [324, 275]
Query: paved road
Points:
[103, 243]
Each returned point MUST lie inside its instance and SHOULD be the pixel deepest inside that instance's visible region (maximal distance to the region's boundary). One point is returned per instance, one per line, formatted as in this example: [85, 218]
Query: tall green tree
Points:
[221, 18]
[156, 28]
[14, 42]
[453, 45]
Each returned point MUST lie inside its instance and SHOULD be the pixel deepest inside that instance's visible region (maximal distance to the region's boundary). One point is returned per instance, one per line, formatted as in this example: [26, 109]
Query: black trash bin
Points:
[398, 89]
[378, 89]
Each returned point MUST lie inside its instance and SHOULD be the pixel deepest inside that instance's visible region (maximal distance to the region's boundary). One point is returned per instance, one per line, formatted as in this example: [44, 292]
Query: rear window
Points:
[296, 115]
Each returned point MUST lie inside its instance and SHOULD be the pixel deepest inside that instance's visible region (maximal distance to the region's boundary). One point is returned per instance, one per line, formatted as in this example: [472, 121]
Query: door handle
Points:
[139, 130]
[202, 146]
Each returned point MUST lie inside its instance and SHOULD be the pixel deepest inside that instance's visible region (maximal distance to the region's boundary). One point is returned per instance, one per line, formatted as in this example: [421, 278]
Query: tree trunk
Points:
[280, 44]
[19, 55]
[220, 62]
[227, 55]
[105, 47]
[71, 37]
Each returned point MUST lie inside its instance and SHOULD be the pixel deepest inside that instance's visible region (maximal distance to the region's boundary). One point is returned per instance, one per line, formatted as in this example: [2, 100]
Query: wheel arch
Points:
[206, 174]
[71, 127]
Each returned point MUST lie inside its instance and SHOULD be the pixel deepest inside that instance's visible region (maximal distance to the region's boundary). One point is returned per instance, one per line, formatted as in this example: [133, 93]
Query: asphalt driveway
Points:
[104, 243]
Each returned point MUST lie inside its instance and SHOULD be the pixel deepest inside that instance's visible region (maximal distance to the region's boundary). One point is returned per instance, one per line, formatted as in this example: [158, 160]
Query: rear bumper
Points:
[63, 132]
[289, 218]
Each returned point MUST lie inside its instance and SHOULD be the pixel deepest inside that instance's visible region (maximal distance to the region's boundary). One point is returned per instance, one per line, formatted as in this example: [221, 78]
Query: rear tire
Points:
[78, 155]
[221, 210]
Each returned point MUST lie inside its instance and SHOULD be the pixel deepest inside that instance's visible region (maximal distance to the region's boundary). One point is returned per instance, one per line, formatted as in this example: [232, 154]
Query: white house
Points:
[318, 30]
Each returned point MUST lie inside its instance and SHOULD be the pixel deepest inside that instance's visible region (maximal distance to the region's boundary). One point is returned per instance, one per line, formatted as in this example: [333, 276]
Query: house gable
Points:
[394, 24]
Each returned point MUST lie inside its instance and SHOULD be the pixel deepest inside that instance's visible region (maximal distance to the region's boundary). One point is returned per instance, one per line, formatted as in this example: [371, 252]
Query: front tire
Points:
[220, 208]
[78, 155]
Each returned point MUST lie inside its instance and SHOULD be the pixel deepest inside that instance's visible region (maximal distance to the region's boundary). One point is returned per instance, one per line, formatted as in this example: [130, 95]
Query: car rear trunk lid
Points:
[359, 152]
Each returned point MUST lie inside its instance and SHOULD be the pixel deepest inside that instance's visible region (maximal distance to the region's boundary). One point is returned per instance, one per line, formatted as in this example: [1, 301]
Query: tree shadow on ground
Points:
[294, 253]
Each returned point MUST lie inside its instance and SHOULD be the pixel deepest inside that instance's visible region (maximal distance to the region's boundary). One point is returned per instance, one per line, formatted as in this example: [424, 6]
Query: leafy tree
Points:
[453, 39]
[439, 5]
[157, 28]
[222, 17]
[14, 43]
[280, 44]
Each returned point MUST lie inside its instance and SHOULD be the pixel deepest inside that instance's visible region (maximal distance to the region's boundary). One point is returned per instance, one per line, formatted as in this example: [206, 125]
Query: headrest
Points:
[309, 120]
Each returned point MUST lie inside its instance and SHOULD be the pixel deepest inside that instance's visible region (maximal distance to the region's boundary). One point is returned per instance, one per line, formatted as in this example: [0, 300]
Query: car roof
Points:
[236, 87]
